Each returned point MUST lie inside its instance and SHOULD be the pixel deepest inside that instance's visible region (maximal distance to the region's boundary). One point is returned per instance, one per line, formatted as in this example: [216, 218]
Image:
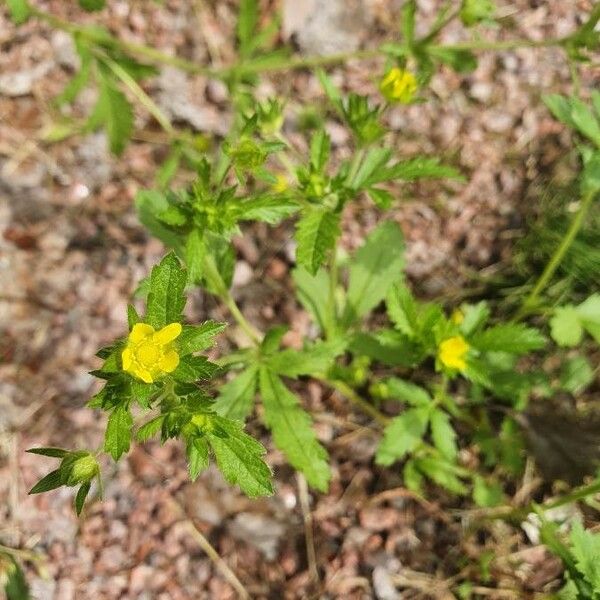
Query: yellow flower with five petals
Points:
[452, 352]
[398, 85]
[149, 354]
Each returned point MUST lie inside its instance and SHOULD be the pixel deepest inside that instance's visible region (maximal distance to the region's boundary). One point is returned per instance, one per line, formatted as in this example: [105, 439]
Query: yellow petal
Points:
[144, 375]
[140, 331]
[127, 358]
[167, 334]
[168, 363]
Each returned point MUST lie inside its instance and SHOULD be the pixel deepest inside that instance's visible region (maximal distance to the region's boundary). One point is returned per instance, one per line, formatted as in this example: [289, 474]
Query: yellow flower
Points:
[452, 352]
[458, 316]
[281, 183]
[398, 86]
[150, 353]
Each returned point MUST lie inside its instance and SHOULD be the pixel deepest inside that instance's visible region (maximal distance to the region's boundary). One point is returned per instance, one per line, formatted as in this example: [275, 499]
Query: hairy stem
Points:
[558, 255]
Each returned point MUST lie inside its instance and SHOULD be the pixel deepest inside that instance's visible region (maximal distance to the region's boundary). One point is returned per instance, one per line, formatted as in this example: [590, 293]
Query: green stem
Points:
[558, 255]
[296, 62]
[140, 95]
[348, 392]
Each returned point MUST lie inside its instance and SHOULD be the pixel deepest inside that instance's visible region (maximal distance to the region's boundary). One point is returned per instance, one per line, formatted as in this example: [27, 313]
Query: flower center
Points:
[148, 354]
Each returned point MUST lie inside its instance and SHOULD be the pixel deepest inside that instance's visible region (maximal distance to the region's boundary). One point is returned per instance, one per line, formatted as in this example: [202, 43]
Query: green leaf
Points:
[407, 21]
[15, 584]
[586, 550]
[373, 163]
[560, 107]
[196, 338]
[375, 267]
[166, 298]
[149, 205]
[236, 397]
[92, 5]
[405, 391]
[239, 457]
[114, 112]
[314, 360]
[474, 316]
[118, 432]
[19, 11]
[443, 473]
[49, 482]
[82, 494]
[443, 434]
[150, 429]
[270, 209]
[331, 91]
[589, 313]
[402, 309]
[413, 478]
[313, 293]
[511, 338]
[81, 78]
[576, 375]
[565, 326]
[272, 339]
[198, 456]
[402, 435]
[195, 252]
[320, 147]
[52, 452]
[246, 25]
[316, 234]
[590, 176]
[474, 11]
[487, 494]
[194, 368]
[382, 198]
[462, 61]
[132, 316]
[420, 167]
[292, 431]
[585, 120]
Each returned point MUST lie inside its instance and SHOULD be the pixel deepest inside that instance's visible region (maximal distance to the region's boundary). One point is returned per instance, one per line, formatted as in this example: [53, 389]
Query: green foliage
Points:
[13, 578]
[19, 10]
[569, 322]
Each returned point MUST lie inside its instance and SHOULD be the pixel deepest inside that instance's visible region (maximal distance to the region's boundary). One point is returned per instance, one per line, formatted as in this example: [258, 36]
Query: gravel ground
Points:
[72, 251]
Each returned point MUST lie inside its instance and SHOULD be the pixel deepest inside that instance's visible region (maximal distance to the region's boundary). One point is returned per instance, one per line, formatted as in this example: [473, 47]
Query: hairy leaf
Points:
[236, 397]
[316, 234]
[118, 432]
[166, 298]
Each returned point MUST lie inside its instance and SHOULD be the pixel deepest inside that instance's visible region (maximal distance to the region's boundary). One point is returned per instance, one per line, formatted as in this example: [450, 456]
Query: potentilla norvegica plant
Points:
[429, 376]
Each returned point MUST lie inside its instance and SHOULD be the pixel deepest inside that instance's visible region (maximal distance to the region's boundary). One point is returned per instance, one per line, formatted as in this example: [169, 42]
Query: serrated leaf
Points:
[316, 234]
[565, 326]
[443, 473]
[292, 430]
[382, 198]
[80, 79]
[239, 457]
[82, 494]
[194, 368]
[320, 148]
[586, 550]
[198, 456]
[375, 267]
[236, 397]
[149, 205]
[49, 482]
[576, 375]
[270, 209]
[584, 119]
[405, 391]
[132, 316]
[560, 107]
[313, 293]
[511, 338]
[407, 21]
[474, 316]
[314, 360]
[115, 113]
[331, 91]
[118, 432]
[150, 429]
[196, 338]
[462, 61]
[19, 11]
[402, 435]
[402, 309]
[52, 452]
[166, 298]
[443, 434]
[373, 163]
[412, 169]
